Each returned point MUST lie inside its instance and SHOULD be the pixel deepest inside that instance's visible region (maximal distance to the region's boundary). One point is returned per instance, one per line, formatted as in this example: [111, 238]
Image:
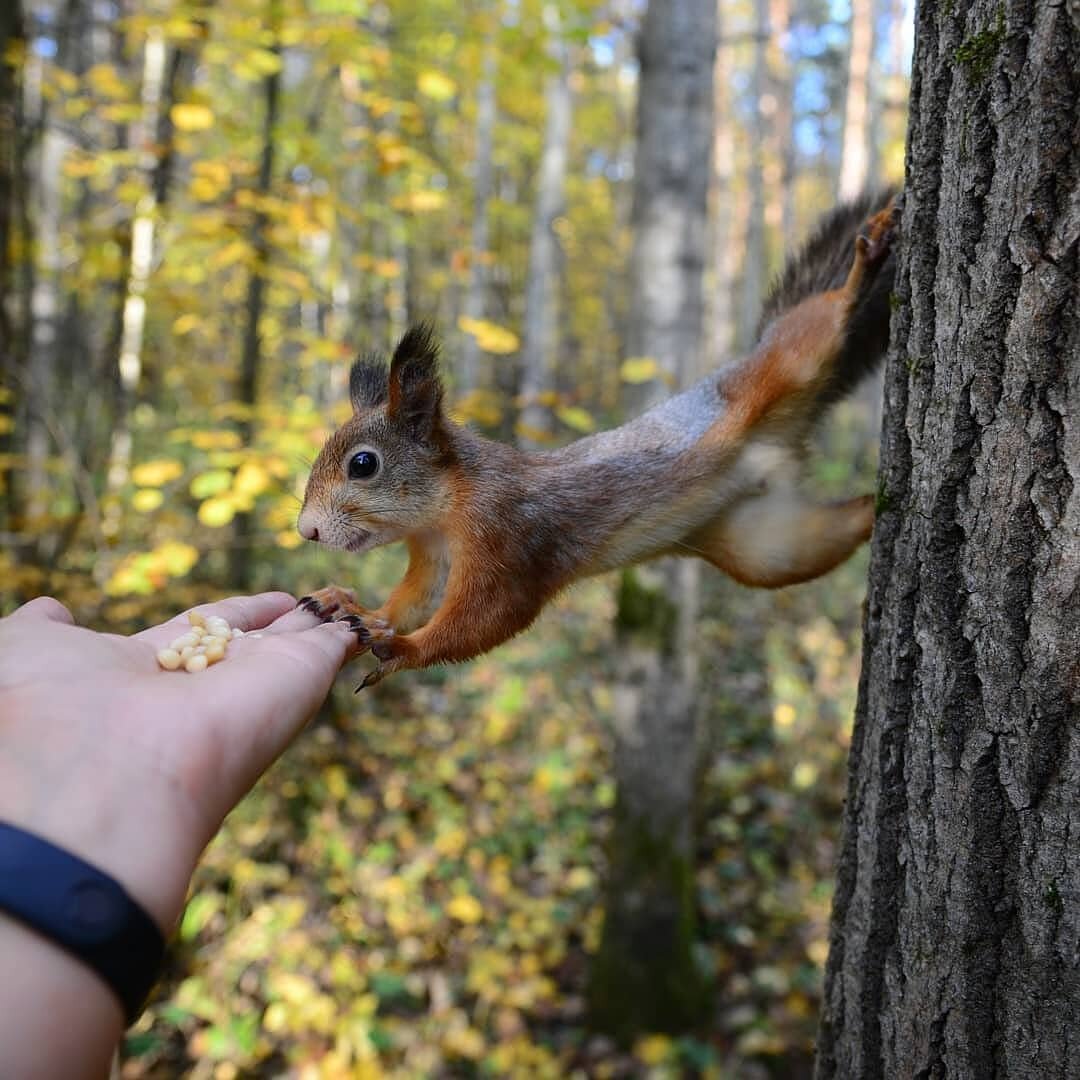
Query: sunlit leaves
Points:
[639, 369]
[145, 572]
[192, 116]
[575, 417]
[157, 472]
[436, 85]
[217, 512]
[490, 336]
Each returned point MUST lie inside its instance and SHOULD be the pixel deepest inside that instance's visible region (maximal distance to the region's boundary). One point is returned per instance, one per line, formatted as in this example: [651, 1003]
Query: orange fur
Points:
[493, 533]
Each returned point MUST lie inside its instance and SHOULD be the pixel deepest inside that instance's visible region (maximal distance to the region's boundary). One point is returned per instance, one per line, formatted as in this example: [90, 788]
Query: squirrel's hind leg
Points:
[777, 539]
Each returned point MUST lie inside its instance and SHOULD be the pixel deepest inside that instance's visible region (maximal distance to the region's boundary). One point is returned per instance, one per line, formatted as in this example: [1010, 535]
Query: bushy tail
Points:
[823, 264]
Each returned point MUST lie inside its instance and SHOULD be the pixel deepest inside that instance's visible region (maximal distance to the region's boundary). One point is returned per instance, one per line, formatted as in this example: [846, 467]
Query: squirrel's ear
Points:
[415, 392]
[369, 383]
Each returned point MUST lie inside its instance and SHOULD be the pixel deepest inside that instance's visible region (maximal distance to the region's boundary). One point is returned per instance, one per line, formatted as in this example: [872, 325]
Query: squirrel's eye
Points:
[363, 465]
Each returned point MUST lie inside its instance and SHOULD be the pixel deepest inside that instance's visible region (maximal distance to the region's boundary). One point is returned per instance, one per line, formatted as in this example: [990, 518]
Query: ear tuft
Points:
[415, 392]
[369, 383]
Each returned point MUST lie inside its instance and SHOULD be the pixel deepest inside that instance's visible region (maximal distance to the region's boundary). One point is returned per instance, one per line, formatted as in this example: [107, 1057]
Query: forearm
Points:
[57, 1018]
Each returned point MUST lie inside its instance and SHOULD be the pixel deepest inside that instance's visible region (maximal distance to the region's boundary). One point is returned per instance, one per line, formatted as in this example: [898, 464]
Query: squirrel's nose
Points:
[306, 527]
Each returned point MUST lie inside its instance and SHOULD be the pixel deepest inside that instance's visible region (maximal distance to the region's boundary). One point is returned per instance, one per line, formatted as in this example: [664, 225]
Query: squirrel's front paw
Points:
[331, 601]
[373, 633]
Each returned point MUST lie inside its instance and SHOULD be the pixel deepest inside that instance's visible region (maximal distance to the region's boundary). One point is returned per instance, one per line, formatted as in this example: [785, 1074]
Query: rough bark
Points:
[957, 913]
[540, 338]
[644, 977]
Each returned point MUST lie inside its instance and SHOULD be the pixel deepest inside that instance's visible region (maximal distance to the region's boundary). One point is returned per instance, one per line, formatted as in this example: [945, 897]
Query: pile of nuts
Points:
[204, 644]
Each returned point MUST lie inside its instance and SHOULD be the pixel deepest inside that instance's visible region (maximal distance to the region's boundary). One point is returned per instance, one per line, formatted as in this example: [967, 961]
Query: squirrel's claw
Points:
[371, 678]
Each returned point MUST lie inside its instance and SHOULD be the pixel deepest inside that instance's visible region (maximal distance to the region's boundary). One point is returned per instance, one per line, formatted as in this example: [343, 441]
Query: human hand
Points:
[134, 768]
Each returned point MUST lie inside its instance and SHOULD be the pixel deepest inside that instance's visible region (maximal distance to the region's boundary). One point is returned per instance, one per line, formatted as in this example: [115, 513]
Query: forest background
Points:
[206, 211]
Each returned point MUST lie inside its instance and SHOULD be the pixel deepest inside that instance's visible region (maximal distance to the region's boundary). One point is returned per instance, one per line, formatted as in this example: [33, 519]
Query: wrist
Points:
[91, 803]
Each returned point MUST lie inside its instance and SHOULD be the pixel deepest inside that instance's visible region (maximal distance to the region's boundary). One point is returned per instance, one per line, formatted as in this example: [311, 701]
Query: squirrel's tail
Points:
[823, 264]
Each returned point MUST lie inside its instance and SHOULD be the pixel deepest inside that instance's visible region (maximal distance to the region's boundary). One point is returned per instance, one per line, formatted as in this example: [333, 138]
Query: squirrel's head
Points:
[386, 472]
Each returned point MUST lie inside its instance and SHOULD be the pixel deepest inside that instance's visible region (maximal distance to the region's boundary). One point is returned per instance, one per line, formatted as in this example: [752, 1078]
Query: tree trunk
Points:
[753, 265]
[855, 156]
[471, 377]
[241, 562]
[644, 977]
[11, 358]
[957, 912]
[541, 291]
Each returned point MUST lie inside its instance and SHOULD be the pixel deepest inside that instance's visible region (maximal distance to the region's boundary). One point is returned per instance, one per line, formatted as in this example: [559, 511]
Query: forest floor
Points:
[413, 891]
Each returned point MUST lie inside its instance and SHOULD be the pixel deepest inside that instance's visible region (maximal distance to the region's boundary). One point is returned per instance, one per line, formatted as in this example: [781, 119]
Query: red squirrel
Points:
[494, 532]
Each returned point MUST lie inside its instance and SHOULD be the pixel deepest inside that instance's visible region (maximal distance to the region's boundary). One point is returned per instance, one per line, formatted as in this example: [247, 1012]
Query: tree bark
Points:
[540, 338]
[644, 977]
[957, 912]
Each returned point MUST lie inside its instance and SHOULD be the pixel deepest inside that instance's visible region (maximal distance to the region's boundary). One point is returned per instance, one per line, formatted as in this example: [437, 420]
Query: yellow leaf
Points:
[489, 336]
[251, 480]
[419, 202]
[639, 369]
[192, 117]
[436, 85]
[157, 472]
[465, 1042]
[653, 1049]
[577, 418]
[6, 424]
[185, 324]
[147, 499]
[176, 558]
[288, 539]
[466, 909]
[104, 80]
[217, 512]
[210, 483]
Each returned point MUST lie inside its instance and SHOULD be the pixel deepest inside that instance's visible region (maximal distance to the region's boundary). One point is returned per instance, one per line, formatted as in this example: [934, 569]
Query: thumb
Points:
[44, 607]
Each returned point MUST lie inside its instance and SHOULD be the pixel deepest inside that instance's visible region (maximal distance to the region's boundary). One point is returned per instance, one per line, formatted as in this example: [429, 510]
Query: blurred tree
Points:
[754, 258]
[957, 909]
[471, 377]
[540, 338]
[855, 152]
[12, 44]
[247, 396]
[644, 976]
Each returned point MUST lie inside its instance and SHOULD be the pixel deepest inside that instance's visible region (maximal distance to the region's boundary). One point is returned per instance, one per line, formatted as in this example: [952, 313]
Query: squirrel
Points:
[494, 532]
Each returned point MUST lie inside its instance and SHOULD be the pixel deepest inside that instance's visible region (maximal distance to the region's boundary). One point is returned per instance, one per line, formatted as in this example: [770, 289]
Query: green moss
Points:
[644, 976]
[894, 301]
[882, 499]
[978, 53]
[645, 612]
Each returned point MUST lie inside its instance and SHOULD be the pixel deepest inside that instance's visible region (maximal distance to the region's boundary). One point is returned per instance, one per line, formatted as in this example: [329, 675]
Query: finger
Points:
[44, 607]
[296, 619]
[283, 679]
[243, 612]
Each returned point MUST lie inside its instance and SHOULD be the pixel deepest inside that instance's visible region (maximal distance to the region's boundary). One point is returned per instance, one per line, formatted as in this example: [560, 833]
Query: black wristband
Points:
[83, 910]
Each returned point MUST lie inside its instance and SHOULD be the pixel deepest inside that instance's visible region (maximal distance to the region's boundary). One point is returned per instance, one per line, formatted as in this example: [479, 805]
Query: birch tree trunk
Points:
[644, 976]
[957, 913]
[540, 339]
